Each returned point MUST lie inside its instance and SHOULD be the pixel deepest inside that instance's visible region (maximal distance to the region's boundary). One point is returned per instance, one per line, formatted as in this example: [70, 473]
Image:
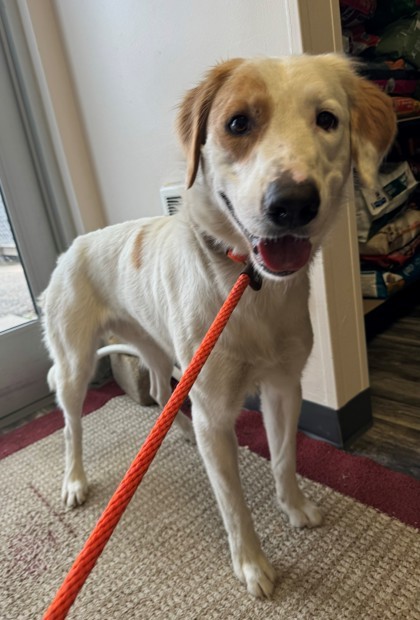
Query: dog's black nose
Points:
[289, 204]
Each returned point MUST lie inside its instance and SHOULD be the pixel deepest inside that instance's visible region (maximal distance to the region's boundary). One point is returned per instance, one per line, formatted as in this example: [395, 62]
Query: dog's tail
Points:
[52, 384]
[124, 349]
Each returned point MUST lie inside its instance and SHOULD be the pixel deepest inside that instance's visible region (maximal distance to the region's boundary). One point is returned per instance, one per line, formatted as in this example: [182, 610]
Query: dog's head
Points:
[276, 139]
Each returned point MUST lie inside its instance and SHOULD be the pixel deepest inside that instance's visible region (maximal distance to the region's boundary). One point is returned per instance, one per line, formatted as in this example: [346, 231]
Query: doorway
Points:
[30, 238]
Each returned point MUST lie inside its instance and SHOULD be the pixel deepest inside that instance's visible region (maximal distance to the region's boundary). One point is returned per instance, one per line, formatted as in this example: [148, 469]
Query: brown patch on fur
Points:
[373, 117]
[245, 94]
[194, 111]
[136, 254]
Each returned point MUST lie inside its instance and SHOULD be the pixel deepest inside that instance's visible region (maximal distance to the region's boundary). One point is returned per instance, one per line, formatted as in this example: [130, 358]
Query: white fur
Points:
[163, 305]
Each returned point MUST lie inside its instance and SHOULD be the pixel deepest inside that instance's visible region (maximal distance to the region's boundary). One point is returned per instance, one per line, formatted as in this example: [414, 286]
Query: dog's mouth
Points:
[279, 256]
[282, 256]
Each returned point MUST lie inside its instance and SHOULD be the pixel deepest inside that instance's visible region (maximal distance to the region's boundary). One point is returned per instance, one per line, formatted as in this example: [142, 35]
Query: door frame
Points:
[38, 210]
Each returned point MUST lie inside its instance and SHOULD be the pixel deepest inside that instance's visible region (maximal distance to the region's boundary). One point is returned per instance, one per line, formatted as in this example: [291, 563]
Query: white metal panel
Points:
[23, 358]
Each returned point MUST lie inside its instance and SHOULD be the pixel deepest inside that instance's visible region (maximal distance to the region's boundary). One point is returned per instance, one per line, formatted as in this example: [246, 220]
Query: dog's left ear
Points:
[194, 111]
[373, 128]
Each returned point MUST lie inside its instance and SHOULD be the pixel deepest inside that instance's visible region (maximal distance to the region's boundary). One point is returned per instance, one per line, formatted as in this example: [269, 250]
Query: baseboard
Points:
[338, 427]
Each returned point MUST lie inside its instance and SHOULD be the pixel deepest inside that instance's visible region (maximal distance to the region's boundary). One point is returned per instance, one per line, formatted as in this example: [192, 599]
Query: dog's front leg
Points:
[217, 444]
[281, 404]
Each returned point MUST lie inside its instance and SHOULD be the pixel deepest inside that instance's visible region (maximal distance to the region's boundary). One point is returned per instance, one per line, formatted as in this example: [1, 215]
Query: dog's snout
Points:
[289, 204]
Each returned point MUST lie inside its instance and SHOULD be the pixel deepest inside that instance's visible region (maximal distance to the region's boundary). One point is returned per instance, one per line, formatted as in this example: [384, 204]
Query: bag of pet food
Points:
[382, 284]
[406, 106]
[356, 11]
[395, 236]
[396, 183]
[394, 259]
[389, 11]
[359, 41]
[393, 80]
[402, 40]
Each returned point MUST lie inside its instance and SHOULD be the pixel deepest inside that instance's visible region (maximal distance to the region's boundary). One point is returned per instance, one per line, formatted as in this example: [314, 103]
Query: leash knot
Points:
[255, 280]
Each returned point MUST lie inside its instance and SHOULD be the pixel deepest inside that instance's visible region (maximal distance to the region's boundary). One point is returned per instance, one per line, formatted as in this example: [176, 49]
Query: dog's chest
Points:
[267, 330]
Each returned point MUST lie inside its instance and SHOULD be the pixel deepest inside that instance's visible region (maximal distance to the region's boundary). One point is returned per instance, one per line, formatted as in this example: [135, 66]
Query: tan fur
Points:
[157, 283]
[136, 255]
[194, 111]
[373, 122]
[243, 93]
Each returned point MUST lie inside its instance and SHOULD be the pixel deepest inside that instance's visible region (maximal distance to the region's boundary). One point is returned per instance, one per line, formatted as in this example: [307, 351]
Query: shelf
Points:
[408, 119]
[371, 304]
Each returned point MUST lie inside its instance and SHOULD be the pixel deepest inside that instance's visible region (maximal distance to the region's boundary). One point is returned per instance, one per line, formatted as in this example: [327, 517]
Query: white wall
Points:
[132, 60]
[43, 39]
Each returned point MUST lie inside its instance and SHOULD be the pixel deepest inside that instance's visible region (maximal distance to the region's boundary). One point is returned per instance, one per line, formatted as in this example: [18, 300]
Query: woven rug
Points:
[168, 557]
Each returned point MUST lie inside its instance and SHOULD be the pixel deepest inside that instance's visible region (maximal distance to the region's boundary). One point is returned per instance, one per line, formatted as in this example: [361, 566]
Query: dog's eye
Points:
[239, 125]
[327, 121]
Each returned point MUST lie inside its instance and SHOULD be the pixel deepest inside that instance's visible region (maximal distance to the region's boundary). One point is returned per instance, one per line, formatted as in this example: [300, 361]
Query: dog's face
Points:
[276, 139]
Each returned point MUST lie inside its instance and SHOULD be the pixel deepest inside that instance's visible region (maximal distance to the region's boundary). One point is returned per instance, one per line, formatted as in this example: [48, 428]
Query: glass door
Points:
[23, 361]
[29, 242]
[16, 304]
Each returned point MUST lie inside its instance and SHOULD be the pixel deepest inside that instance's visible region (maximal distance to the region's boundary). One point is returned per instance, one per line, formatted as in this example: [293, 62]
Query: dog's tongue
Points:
[286, 254]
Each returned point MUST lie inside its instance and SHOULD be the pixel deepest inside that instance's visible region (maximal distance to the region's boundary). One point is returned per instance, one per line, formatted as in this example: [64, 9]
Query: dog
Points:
[270, 144]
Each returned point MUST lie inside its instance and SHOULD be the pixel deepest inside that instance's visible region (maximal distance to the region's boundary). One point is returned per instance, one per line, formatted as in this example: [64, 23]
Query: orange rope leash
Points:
[110, 517]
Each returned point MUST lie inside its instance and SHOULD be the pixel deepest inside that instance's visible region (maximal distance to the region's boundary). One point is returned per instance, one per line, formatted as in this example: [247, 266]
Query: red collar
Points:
[237, 258]
[212, 243]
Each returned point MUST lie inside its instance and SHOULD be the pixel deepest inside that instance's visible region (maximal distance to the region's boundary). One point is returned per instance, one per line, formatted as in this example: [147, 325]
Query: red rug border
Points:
[372, 484]
[41, 427]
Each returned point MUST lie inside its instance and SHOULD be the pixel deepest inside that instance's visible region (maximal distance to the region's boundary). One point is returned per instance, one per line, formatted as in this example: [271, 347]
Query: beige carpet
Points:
[168, 557]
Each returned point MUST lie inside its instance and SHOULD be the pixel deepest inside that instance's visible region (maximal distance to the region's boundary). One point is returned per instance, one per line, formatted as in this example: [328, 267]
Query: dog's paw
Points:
[257, 574]
[74, 491]
[303, 513]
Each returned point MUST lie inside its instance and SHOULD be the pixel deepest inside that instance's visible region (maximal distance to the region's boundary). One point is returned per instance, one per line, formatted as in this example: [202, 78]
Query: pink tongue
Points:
[286, 254]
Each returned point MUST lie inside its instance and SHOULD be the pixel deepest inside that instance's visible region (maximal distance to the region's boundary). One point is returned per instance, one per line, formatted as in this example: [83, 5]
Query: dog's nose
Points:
[289, 204]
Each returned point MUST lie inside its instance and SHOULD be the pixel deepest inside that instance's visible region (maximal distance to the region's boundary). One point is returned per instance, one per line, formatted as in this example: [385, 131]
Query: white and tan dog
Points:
[270, 145]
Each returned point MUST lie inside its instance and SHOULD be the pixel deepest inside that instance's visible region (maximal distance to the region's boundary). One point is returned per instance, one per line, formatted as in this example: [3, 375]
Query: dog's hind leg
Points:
[73, 352]
[160, 370]
[72, 381]
[160, 365]
[71, 391]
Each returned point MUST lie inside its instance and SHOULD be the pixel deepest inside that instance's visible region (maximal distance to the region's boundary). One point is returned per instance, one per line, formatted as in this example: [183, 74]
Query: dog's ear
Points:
[194, 111]
[373, 129]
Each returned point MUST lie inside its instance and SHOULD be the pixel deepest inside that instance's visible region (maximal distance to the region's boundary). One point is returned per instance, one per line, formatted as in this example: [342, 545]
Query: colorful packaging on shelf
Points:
[389, 11]
[356, 11]
[379, 284]
[396, 183]
[394, 259]
[397, 85]
[396, 235]
[401, 40]
[357, 40]
[406, 106]
[390, 79]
